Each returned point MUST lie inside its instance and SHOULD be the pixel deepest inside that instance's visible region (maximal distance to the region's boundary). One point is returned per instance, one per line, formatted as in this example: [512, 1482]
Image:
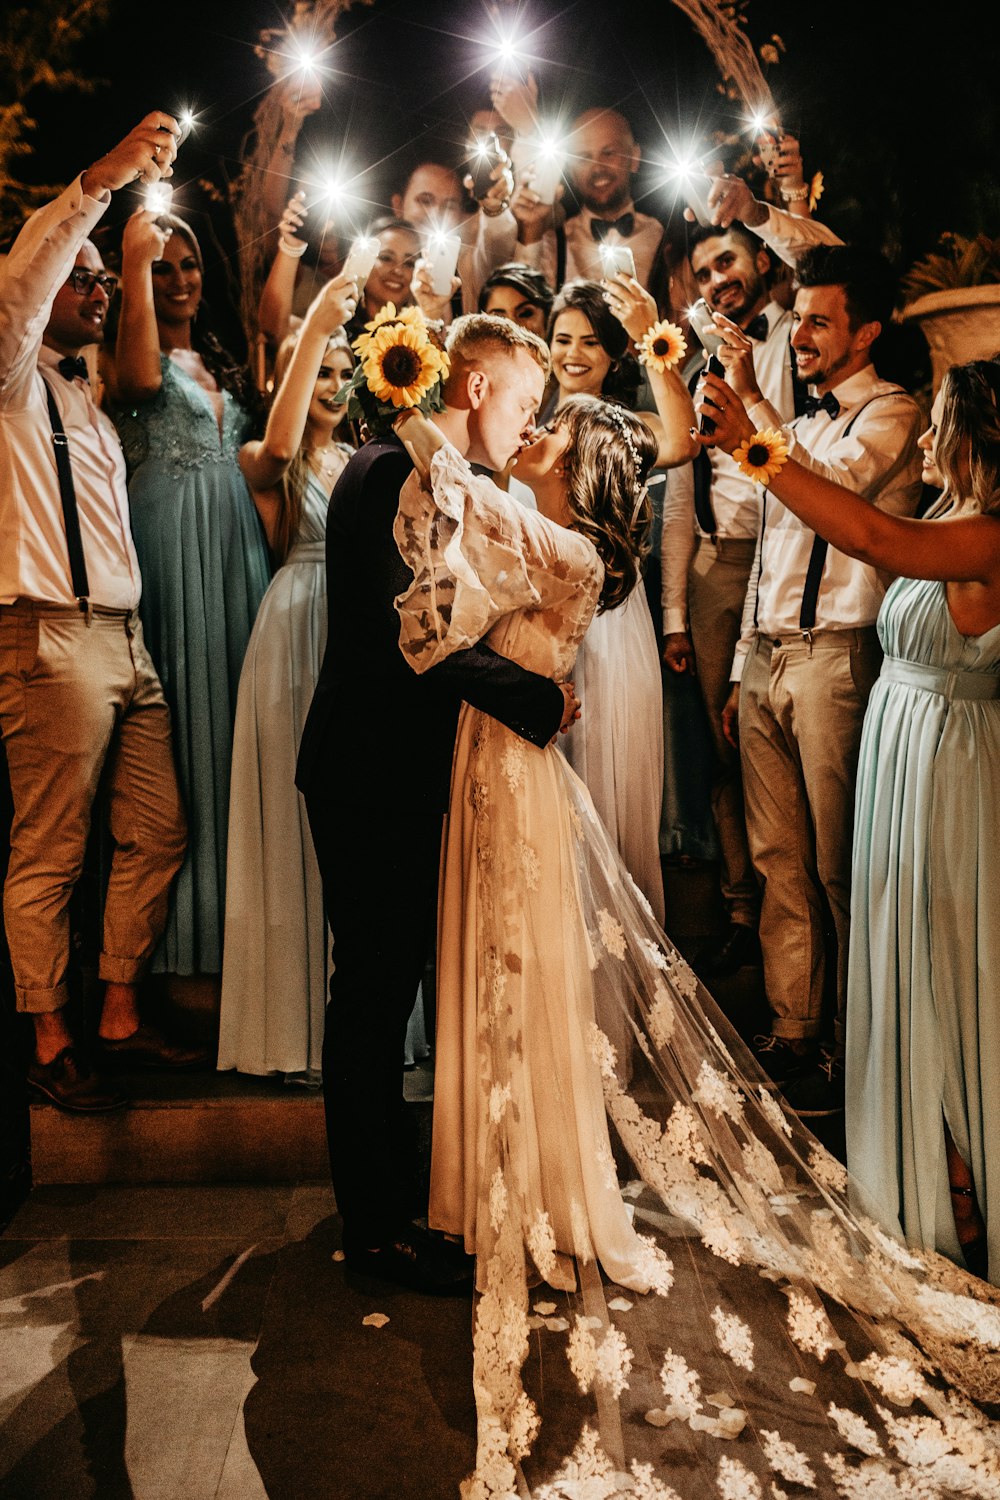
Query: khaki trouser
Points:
[717, 587]
[79, 701]
[802, 705]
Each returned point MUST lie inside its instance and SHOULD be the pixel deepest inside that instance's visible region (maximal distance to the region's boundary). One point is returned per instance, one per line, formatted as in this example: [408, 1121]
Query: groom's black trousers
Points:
[380, 873]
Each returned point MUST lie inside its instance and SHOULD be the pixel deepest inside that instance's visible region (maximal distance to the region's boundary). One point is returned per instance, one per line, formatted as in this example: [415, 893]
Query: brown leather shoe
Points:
[149, 1048]
[68, 1082]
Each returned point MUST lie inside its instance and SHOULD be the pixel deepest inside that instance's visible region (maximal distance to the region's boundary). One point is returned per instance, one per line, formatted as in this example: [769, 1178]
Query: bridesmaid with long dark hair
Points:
[183, 408]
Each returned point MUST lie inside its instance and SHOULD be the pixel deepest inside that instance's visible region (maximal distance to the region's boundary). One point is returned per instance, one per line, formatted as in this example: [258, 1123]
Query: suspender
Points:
[817, 557]
[560, 255]
[67, 494]
[701, 468]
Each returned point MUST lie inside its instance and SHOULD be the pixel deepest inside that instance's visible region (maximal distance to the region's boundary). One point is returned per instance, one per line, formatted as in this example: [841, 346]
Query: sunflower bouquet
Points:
[399, 367]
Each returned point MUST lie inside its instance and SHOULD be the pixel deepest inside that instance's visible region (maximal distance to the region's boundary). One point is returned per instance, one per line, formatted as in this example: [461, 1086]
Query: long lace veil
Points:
[767, 1337]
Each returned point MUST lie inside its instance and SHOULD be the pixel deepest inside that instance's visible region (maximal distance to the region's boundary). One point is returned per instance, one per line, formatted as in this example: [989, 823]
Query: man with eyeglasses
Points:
[80, 702]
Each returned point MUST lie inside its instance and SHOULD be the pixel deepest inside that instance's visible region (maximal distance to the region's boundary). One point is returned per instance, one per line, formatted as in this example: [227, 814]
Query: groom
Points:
[374, 768]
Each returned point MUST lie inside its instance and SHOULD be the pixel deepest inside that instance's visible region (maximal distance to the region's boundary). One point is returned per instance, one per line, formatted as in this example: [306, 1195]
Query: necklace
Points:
[325, 459]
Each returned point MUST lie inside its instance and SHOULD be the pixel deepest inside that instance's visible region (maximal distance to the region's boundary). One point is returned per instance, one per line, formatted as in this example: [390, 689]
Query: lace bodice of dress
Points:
[915, 625]
[178, 428]
[485, 566]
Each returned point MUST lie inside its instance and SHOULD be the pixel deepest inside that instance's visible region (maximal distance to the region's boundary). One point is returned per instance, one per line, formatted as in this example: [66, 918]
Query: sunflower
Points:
[409, 317]
[401, 365]
[762, 456]
[663, 346]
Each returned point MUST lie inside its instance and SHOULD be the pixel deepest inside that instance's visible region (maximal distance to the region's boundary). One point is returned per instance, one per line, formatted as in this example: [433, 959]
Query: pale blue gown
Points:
[923, 1018]
[277, 958]
[205, 567]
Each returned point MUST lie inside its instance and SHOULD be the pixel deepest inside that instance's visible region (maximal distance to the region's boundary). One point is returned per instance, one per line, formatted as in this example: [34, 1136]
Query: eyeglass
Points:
[83, 282]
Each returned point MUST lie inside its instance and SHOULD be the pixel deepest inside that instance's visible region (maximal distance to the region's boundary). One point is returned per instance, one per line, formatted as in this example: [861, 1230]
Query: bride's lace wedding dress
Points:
[600, 1128]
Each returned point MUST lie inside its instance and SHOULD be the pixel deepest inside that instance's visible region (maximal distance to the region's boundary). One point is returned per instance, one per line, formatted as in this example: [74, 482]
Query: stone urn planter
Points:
[959, 324]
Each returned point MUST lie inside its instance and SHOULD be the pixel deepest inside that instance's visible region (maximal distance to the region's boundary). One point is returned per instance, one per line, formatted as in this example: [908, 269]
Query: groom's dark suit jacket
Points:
[377, 730]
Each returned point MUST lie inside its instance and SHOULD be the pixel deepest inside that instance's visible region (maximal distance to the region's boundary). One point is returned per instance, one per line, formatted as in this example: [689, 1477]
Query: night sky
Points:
[902, 117]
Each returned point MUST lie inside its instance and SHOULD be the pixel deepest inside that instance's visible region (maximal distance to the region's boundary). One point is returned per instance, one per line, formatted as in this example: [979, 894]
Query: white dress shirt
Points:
[791, 235]
[492, 242]
[34, 559]
[736, 500]
[583, 253]
[878, 460]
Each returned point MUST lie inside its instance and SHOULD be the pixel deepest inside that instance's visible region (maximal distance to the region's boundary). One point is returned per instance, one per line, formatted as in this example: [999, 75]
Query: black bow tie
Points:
[74, 369]
[757, 328]
[828, 403]
[601, 228]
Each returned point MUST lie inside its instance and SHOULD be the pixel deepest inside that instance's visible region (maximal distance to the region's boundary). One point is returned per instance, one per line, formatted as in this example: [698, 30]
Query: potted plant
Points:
[954, 295]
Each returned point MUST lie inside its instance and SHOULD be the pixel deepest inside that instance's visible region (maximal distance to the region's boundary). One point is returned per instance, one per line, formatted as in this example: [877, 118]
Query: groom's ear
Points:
[477, 387]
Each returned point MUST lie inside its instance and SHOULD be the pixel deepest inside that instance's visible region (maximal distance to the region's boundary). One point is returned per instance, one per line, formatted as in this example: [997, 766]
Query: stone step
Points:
[199, 1128]
[195, 1127]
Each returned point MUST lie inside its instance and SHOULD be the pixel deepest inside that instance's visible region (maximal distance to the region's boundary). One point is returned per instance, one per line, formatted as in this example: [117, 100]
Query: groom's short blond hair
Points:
[477, 335]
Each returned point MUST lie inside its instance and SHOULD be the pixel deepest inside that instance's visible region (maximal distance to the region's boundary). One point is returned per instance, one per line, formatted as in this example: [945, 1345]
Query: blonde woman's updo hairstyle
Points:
[970, 422]
[607, 472]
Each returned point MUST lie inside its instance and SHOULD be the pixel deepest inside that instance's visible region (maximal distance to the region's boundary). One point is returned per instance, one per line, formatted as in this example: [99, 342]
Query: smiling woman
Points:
[182, 409]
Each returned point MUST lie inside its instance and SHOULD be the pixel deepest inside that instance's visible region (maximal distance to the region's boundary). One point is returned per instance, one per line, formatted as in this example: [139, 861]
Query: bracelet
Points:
[793, 195]
[290, 248]
[762, 456]
[496, 209]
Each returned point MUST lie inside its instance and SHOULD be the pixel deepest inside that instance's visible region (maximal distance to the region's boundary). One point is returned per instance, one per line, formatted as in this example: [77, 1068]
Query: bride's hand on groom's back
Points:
[571, 707]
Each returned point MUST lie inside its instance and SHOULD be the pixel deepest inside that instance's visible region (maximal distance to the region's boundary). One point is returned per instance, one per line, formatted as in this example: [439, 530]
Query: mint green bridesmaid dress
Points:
[923, 1019]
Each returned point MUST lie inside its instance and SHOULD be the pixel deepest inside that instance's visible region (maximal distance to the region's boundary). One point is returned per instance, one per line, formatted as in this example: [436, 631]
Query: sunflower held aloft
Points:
[762, 456]
[662, 347]
[410, 317]
[399, 367]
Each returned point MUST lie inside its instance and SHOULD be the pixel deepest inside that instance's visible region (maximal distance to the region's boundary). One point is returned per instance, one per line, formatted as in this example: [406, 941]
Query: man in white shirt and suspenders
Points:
[80, 700]
[809, 654]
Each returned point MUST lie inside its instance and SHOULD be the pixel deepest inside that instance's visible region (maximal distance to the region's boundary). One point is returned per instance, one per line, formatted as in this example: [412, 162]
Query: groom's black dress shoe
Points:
[417, 1260]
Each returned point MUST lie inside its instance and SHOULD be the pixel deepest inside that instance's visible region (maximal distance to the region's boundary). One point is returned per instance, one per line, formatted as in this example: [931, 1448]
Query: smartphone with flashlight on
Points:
[616, 260]
[485, 155]
[695, 188]
[768, 144]
[158, 197]
[440, 256]
[360, 259]
[703, 325]
[318, 226]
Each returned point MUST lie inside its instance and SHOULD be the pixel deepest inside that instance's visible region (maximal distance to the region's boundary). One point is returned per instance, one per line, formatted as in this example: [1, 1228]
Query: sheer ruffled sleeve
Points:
[477, 556]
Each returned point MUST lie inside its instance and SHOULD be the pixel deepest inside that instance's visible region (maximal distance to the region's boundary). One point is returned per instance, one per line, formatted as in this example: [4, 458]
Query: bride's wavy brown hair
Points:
[608, 499]
[970, 421]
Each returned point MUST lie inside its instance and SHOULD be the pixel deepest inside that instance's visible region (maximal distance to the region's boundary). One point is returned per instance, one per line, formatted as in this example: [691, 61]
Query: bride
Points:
[600, 1128]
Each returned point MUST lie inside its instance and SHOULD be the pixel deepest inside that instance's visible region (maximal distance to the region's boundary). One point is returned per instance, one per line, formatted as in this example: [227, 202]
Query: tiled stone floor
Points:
[200, 1343]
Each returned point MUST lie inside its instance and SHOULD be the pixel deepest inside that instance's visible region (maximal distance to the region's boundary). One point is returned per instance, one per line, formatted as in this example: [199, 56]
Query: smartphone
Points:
[318, 221]
[185, 120]
[703, 324]
[616, 259]
[440, 256]
[546, 175]
[360, 259]
[694, 188]
[768, 141]
[158, 197]
[485, 155]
